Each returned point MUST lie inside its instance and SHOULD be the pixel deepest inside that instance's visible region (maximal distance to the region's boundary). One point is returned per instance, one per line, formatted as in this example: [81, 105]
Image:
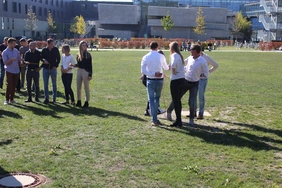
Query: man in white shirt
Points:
[196, 65]
[152, 66]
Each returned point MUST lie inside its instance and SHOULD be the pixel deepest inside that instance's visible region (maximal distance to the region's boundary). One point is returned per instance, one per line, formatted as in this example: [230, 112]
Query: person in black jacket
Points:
[84, 73]
[51, 59]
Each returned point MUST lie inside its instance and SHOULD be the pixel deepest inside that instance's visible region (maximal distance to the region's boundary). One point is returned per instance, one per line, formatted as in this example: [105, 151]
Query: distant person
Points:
[184, 46]
[67, 73]
[51, 59]
[11, 58]
[3, 46]
[152, 66]
[23, 49]
[32, 59]
[189, 45]
[84, 73]
[210, 46]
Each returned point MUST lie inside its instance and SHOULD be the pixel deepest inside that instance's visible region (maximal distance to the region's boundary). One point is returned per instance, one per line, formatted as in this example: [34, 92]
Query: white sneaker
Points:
[13, 102]
[6, 102]
[168, 116]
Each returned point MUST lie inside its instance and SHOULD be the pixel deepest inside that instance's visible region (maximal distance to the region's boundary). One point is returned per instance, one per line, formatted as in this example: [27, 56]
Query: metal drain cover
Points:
[19, 180]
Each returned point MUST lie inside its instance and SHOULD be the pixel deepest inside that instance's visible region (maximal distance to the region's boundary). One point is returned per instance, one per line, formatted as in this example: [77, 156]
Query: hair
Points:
[32, 43]
[6, 38]
[174, 47]
[66, 47]
[196, 47]
[50, 40]
[153, 45]
[22, 40]
[161, 52]
[80, 53]
[29, 41]
[11, 39]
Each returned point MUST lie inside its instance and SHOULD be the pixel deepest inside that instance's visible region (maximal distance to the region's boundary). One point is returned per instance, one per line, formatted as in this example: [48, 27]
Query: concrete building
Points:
[217, 23]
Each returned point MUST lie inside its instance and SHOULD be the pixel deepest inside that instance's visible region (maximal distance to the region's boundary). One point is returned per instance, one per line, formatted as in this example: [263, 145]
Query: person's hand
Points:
[27, 63]
[54, 68]
[158, 74]
[141, 77]
[89, 78]
[38, 69]
[45, 62]
[13, 58]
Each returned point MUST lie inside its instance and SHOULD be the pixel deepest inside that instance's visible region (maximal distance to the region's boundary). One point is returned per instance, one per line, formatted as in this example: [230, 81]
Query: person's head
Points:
[174, 48]
[5, 40]
[82, 50]
[50, 43]
[29, 41]
[32, 46]
[195, 50]
[23, 42]
[161, 52]
[66, 49]
[154, 45]
[12, 42]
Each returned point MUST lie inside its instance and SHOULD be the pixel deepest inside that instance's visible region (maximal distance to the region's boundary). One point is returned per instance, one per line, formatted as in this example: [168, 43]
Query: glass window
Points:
[20, 8]
[5, 5]
[15, 7]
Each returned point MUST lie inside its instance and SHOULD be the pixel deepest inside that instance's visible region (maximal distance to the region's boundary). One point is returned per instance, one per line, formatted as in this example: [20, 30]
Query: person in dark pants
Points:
[32, 59]
[51, 59]
[23, 49]
[2, 71]
[67, 60]
[177, 78]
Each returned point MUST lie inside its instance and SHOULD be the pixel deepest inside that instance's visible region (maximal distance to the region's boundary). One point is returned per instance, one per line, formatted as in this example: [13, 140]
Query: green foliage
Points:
[167, 22]
[241, 26]
[200, 21]
[51, 23]
[78, 25]
[31, 20]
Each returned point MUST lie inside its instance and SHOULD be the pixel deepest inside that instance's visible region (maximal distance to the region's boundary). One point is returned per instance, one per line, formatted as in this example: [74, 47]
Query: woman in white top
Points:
[177, 80]
[67, 60]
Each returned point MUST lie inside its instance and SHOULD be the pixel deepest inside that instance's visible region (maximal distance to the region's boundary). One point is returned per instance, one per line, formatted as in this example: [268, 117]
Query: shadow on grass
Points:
[9, 114]
[6, 142]
[3, 172]
[54, 110]
[233, 137]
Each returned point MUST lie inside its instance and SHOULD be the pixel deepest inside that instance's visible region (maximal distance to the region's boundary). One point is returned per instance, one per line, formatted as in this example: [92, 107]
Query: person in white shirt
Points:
[196, 65]
[177, 78]
[203, 84]
[152, 66]
[67, 65]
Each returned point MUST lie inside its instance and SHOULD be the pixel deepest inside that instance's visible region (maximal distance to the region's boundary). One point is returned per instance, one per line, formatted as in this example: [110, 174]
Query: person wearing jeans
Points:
[152, 66]
[11, 58]
[51, 59]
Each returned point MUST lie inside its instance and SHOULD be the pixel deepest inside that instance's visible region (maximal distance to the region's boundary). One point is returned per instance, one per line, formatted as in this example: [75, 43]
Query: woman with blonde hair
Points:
[84, 73]
[177, 82]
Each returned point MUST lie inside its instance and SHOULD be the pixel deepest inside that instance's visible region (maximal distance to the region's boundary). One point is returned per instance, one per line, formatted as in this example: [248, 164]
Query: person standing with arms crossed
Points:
[51, 59]
[11, 58]
[152, 66]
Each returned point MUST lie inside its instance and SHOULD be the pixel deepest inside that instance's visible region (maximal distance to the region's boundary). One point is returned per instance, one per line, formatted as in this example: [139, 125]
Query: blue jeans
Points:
[154, 89]
[201, 91]
[2, 74]
[46, 74]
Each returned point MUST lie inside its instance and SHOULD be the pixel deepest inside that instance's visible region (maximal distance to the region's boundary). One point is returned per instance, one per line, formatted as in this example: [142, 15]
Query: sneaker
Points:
[28, 100]
[160, 111]
[13, 102]
[191, 122]
[6, 102]
[176, 124]
[147, 113]
[86, 104]
[46, 101]
[189, 115]
[168, 116]
[37, 100]
[200, 117]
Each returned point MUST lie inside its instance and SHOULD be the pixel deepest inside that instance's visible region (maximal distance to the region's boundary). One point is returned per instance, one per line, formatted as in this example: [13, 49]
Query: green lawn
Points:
[111, 144]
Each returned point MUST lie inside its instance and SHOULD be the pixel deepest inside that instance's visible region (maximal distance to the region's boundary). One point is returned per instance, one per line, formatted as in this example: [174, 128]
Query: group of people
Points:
[190, 74]
[25, 63]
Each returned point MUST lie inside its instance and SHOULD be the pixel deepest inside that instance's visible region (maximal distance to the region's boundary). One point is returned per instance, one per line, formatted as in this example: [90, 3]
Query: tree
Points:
[51, 23]
[241, 26]
[31, 21]
[77, 25]
[167, 22]
[200, 21]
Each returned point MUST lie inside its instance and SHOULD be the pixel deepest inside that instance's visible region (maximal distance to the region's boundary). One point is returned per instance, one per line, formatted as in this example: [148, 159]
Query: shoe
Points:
[28, 100]
[160, 111]
[54, 101]
[176, 124]
[200, 117]
[147, 113]
[86, 104]
[6, 102]
[168, 116]
[46, 101]
[189, 115]
[154, 124]
[73, 103]
[13, 102]
[37, 100]
[78, 104]
[158, 122]
[191, 122]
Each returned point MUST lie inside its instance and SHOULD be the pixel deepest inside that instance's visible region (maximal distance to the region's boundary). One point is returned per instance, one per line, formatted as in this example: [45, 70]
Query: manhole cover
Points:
[19, 180]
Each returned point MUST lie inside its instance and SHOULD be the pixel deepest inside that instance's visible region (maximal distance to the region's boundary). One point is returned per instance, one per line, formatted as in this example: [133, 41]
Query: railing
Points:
[267, 6]
[89, 25]
[267, 22]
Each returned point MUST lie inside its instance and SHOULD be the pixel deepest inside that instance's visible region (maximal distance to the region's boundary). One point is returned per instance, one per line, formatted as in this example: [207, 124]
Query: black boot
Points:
[85, 104]
[78, 104]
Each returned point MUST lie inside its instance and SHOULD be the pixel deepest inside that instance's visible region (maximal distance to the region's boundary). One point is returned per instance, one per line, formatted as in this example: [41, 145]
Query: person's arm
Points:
[58, 57]
[144, 68]
[173, 65]
[6, 60]
[205, 68]
[164, 64]
[90, 68]
[213, 63]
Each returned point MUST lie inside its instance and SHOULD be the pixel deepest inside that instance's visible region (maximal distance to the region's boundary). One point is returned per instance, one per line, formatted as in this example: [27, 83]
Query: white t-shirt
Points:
[66, 60]
[196, 67]
[177, 64]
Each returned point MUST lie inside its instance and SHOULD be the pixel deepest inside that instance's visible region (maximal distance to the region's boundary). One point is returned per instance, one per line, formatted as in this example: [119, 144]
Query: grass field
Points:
[111, 144]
